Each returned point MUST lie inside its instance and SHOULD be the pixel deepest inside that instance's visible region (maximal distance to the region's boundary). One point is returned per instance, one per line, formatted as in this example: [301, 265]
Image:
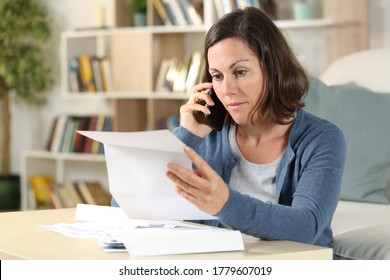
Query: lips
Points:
[234, 105]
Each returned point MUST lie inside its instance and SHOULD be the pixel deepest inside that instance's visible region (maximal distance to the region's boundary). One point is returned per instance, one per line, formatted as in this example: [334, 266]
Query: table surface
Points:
[21, 238]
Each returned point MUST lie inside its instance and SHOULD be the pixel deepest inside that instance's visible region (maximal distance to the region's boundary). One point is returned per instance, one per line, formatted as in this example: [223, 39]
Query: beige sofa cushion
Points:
[361, 230]
[352, 215]
[369, 69]
[371, 243]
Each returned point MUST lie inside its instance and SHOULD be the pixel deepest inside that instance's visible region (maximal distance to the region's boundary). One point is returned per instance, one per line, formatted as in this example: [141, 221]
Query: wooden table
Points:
[21, 238]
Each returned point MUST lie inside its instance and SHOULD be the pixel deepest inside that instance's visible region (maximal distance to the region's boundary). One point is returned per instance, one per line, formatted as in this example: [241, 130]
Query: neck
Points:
[262, 143]
[263, 131]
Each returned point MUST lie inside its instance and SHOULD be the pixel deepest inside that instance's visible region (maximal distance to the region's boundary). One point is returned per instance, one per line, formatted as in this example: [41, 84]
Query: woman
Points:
[274, 171]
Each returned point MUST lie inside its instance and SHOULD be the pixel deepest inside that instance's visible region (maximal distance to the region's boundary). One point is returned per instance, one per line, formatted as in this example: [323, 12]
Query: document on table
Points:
[136, 164]
[116, 232]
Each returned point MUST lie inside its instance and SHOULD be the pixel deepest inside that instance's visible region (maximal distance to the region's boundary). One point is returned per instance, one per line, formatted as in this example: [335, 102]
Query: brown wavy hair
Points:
[285, 80]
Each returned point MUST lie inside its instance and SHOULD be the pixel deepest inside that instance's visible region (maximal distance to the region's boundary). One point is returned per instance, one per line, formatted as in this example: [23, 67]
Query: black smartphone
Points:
[217, 116]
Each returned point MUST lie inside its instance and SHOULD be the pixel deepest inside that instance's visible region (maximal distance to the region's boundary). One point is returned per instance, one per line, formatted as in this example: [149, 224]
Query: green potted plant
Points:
[138, 10]
[24, 28]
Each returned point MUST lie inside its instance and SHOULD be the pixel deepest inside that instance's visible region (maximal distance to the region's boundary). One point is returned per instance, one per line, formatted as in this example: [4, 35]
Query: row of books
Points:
[49, 194]
[180, 74]
[226, 6]
[90, 73]
[223, 7]
[65, 139]
[180, 12]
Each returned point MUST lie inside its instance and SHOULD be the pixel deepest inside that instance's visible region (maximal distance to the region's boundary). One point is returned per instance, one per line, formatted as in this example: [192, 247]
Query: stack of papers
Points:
[117, 233]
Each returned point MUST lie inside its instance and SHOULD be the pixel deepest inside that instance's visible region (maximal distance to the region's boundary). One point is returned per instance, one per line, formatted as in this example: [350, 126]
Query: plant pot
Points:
[303, 10]
[9, 192]
[139, 19]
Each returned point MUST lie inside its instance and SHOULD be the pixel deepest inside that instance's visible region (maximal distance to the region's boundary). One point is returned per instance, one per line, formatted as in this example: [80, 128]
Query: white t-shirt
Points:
[255, 180]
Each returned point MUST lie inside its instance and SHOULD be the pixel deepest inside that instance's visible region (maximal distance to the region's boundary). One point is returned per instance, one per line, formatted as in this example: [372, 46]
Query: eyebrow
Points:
[232, 65]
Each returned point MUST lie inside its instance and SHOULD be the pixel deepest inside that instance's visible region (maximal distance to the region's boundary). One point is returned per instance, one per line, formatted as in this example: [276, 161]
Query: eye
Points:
[240, 73]
[216, 77]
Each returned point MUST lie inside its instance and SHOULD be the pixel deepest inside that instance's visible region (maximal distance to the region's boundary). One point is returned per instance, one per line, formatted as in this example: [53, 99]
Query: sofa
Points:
[354, 93]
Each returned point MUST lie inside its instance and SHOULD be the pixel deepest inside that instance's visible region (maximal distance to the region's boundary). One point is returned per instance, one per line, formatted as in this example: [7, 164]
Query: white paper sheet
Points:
[179, 240]
[117, 233]
[136, 164]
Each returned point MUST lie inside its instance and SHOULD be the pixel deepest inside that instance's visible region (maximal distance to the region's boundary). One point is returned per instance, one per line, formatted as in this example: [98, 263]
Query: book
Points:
[107, 74]
[99, 127]
[73, 194]
[75, 83]
[79, 140]
[54, 196]
[107, 123]
[93, 192]
[219, 8]
[86, 73]
[175, 12]
[194, 71]
[40, 185]
[57, 134]
[106, 127]
[171, 74]
[64, 196]
[84, 192]
[52, 132]
[73, 135]
[97, 73]
[159, 7]
[91, 127]
[202, 72]
[64, 137]
[191, 14]
[195, 15]
[67, 135]
[162, 74]
[179, 84]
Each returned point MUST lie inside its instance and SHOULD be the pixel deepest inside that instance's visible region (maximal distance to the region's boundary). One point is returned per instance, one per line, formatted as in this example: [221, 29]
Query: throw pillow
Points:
[364, 118]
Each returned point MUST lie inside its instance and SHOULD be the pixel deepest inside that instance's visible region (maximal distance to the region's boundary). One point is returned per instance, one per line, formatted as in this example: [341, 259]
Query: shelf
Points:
[310, 23]
[126, 95]
[283, 24]
[62, 167]
[64, 156]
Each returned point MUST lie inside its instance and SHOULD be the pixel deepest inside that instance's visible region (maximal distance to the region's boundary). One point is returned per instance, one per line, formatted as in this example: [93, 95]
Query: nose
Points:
[228, 86]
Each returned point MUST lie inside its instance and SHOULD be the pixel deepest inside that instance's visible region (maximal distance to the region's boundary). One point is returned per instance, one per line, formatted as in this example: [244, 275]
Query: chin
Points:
[240, 121]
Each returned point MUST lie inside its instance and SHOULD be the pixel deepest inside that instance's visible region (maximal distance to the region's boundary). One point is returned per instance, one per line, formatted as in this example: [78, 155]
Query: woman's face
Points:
[237, 78]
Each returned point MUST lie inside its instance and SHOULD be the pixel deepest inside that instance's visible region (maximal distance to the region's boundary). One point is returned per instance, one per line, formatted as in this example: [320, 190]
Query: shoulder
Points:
[309, 129]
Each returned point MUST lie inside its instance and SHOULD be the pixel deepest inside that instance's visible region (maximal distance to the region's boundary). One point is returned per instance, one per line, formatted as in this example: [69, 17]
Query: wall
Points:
[380, 23]
[31, 127]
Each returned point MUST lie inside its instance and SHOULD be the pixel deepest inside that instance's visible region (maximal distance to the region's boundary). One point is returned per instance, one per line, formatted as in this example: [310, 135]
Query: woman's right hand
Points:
[198, 98]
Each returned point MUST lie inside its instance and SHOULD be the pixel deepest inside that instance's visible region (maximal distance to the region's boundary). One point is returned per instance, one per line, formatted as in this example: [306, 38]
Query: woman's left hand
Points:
[202, 187]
